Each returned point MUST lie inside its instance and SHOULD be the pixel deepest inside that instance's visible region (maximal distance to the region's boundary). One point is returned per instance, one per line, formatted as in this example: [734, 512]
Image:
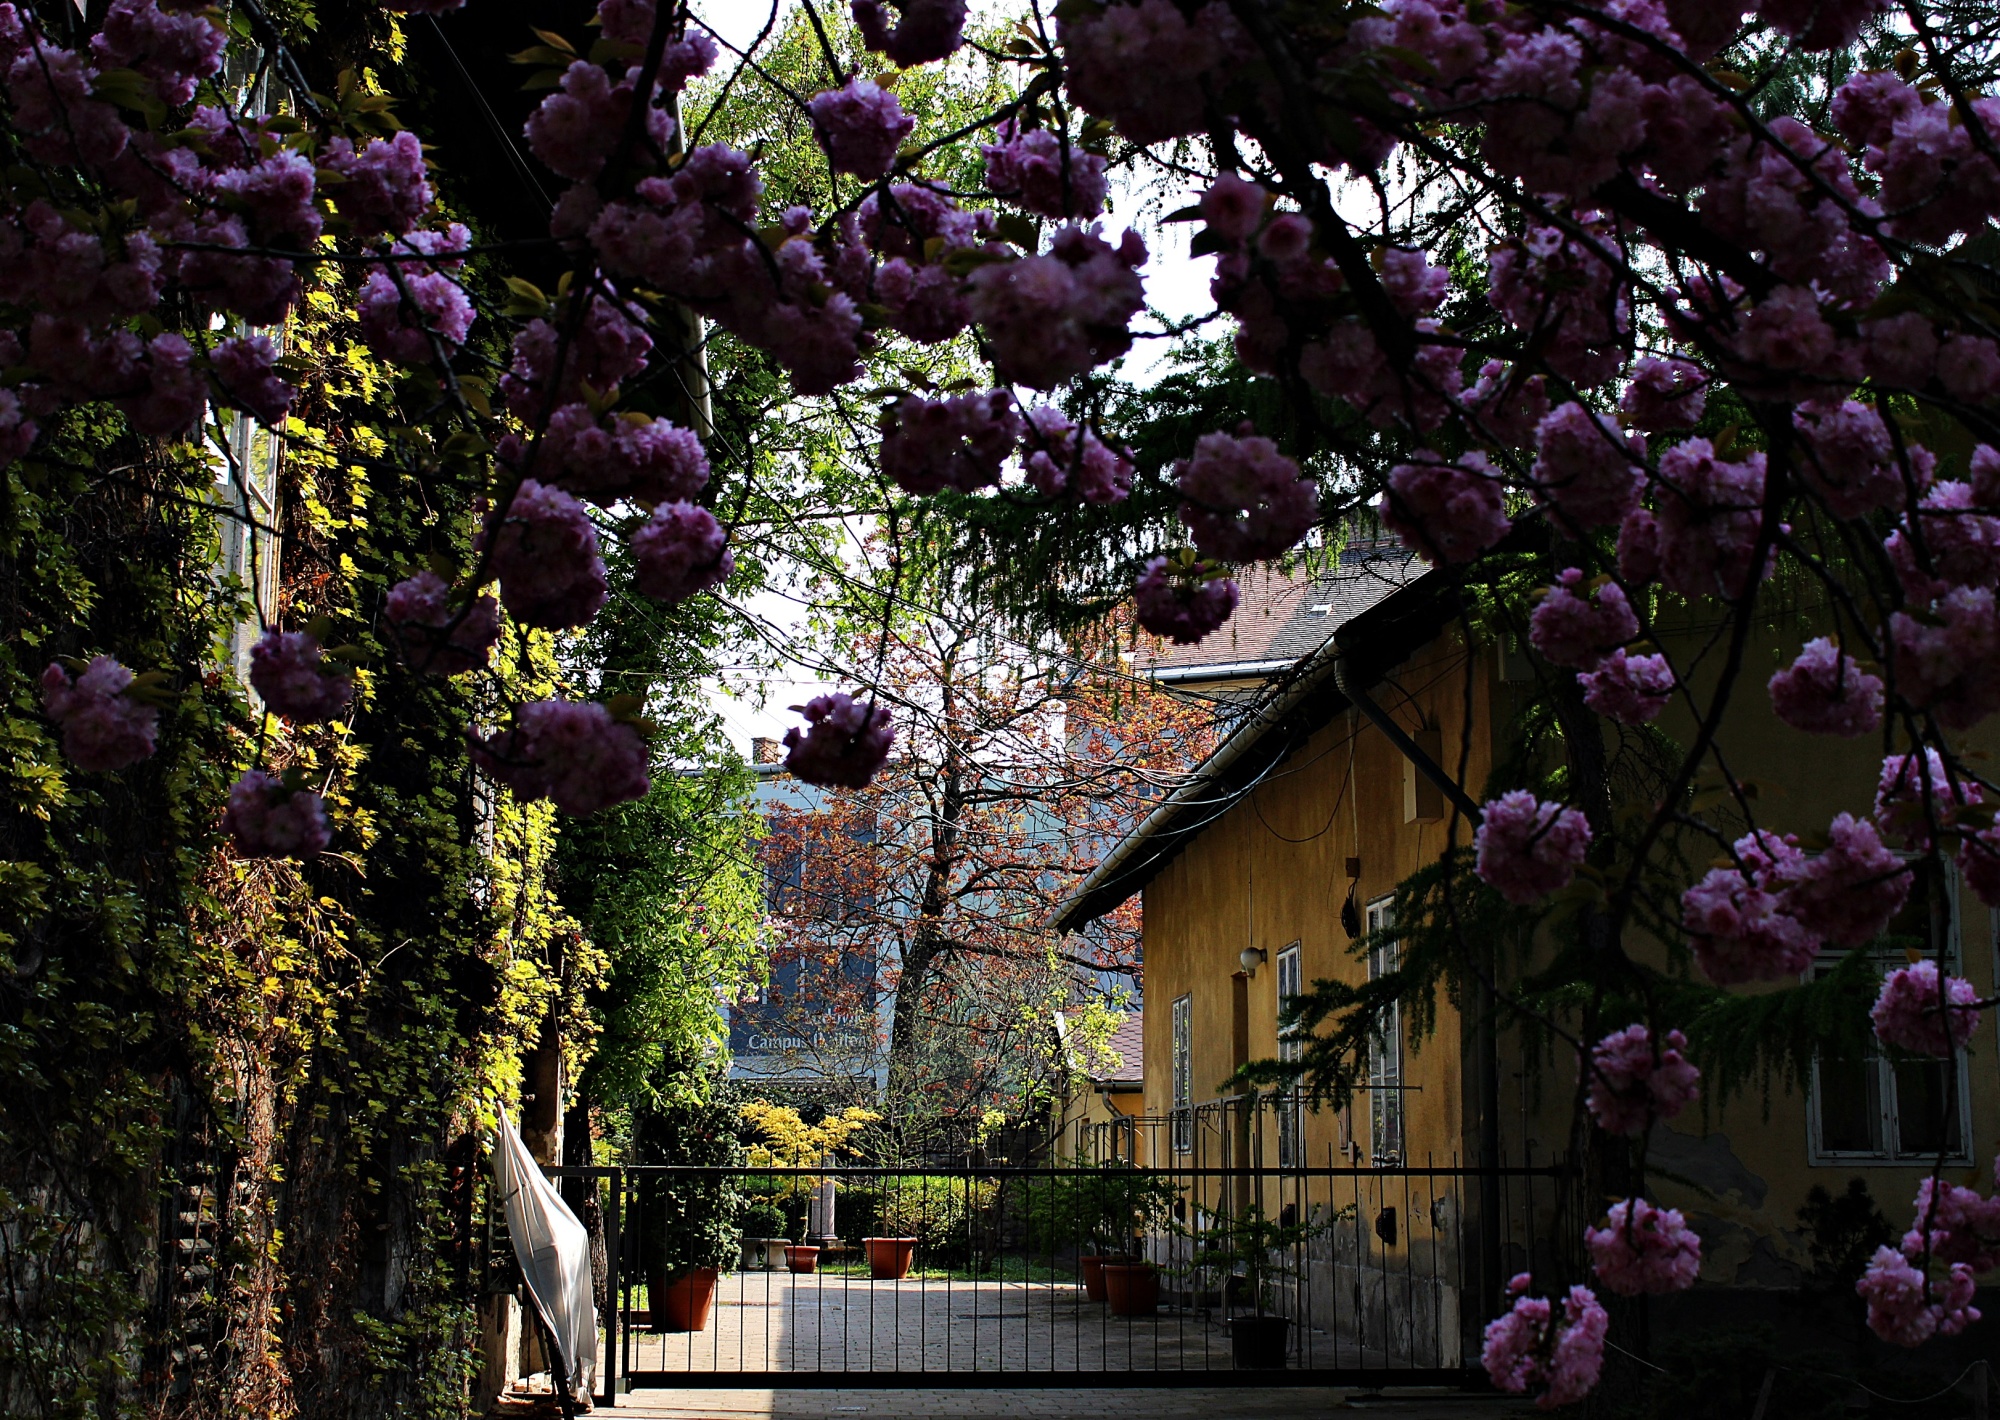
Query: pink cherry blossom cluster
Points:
[1848, 458]
[1736, 918]
[1563, 291]
[1925, 1013]
[1450, 511]
[1663, 395]
[1528, 848]
[845, 741]
[1051, 317]
[925, 30]
[1242, 499]
[544, 550]
[680, 551]
[1183, 600]
[631, 457]
[860, 126]
[1907, 1307]
[1532, 1348]
[288, 671]
[1507, 403]
[383, 189]
[1629, 689]
[598, 349]
[1066, 459]
[576, 128]
[437, 636]
[413, 312]
[1631, 1086]
[1955, 1225]
[267, 818]
[103, 725]
[1917, 798]
[1587, 470]
[1144, 66]
[1581, 630]
[693, 235]
[1908, 1303]
[917, 229]
[575, 753]
[1045, 173]
[1825, 692]
[961, 442]
[1708, 520]
[1767, 919]
[1643, 1249]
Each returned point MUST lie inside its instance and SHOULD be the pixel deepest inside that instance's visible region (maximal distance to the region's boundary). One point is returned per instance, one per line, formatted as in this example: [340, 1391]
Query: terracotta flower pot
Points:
[802, 1259]
[1093, 1276]
[1132, 1288]
[889, 1258]
[686, 1302]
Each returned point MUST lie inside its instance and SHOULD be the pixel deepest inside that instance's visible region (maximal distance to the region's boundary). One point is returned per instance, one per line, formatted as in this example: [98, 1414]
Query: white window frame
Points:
[1291, 1044]
[1888, 1125]
[1181, 1021]
[1387, 1144]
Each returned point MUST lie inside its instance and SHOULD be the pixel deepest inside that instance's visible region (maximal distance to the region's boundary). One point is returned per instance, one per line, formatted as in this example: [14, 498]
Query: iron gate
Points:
[998, 1276]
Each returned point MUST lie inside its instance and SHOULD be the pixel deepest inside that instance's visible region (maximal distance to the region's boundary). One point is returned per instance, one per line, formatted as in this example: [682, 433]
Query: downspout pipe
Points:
[1359, 698]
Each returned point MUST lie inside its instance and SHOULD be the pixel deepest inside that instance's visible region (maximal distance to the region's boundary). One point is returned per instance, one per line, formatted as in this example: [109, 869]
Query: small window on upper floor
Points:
[1874, 1110]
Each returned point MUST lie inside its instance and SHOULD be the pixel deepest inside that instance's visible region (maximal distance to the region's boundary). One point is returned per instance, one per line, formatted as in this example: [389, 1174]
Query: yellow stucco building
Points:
[1337, 784]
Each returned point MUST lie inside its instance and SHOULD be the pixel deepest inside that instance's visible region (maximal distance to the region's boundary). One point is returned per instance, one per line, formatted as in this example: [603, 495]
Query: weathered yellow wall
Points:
[1759, 1161]
[1273, 871]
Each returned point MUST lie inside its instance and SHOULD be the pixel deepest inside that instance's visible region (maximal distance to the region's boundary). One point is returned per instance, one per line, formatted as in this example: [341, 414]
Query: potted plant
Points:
[802, 1257]
[763, 1236]
[1131, 1287]
[1256, 1249]
[889, 1258]
[1122, 1204]
[688, 1229]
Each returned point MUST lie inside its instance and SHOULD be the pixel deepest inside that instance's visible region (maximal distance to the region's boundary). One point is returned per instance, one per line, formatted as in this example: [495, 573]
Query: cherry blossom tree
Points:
[1685, 289]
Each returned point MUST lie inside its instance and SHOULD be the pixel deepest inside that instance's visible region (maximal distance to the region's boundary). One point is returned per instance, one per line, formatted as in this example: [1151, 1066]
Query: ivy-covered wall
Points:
[230, 1090]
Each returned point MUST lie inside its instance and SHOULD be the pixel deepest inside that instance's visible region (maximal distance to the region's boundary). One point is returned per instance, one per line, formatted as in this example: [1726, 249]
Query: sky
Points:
[756, 705]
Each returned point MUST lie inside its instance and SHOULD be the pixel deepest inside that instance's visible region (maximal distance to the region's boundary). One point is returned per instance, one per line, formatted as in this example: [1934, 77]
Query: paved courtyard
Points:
[1150, 1403]
[773, 1321]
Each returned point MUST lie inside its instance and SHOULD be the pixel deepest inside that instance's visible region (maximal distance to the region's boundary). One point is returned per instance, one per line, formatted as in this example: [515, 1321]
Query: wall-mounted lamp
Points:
[1252, 958]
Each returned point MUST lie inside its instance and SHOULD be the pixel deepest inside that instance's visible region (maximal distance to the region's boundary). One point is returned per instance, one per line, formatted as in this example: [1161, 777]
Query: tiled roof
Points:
[1128, 1043]
[1285, 616]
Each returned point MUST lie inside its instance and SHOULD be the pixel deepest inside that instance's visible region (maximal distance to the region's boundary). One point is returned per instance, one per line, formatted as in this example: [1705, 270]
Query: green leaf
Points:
[541, 54]
[1023, 231]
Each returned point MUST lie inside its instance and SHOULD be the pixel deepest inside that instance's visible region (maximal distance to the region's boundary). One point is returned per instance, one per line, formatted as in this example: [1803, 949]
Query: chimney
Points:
[765, 750]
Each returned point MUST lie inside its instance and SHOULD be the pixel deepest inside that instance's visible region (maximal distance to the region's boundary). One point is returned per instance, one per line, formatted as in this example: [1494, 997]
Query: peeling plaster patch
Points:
[1707, 1162]
[1767, 1267]
[1725, 1247]
[1735, 1254]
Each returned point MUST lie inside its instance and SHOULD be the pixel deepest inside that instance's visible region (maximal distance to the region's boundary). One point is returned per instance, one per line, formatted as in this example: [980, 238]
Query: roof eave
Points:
[1135, 859]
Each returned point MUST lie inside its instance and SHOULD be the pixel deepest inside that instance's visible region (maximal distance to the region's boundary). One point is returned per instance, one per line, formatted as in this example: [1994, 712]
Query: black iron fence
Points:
[1096, 1273]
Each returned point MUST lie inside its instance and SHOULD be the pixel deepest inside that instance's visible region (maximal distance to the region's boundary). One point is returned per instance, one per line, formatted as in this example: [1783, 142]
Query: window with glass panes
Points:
[1385, 1051]
[1291, 1123]
[1183, 1067]
[1870, 1108]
